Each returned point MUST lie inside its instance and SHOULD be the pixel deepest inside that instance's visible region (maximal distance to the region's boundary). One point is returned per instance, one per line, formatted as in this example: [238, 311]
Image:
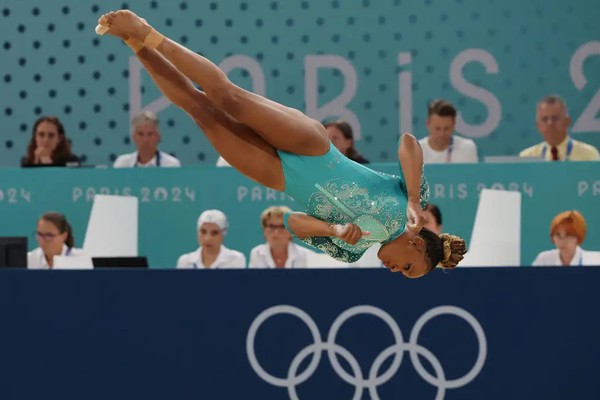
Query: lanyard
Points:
[449, 151]
[579, 263]
[569, 150]
[157, 160]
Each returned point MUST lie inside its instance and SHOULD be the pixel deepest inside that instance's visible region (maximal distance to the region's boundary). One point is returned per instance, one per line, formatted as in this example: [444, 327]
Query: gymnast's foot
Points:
[125, 24]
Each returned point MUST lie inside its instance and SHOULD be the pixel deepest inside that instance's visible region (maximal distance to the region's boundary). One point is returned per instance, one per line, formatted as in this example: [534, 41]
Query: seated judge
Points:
[49, 145]
[567, 232]
[146, 137]
[212, 227]
[55, 238]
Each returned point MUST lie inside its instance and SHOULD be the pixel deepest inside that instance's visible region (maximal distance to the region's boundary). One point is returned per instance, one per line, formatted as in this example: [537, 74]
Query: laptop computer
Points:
[120, 262]
[13, 252]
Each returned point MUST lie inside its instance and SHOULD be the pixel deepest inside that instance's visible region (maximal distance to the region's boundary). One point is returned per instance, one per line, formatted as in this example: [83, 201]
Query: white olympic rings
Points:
[374, 378]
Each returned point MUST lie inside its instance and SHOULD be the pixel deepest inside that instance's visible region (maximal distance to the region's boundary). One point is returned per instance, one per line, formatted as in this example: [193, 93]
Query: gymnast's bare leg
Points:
[243, 148]
[282, 127]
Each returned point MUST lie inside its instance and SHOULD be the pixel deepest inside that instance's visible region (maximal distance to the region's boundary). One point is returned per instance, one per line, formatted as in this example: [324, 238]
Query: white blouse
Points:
[227, 258]
[552, 258]
[37, 260]
[260, 257]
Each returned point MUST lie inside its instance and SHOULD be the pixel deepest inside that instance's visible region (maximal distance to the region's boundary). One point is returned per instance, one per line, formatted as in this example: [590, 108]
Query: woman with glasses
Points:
[279, 251]
[55, 238]
[567, 233]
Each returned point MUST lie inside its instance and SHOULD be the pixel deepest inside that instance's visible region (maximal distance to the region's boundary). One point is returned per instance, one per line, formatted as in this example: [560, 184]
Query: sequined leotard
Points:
[337, 190]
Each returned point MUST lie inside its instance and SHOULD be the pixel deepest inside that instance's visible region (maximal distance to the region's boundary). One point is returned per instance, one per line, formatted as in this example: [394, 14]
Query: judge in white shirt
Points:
[55, 238]
[279, 251]
[212, 227]
[443, 145]
[146, 137]
[567, 232]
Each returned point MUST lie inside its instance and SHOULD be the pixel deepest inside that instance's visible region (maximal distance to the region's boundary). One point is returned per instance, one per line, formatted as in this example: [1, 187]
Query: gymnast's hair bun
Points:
[454, 249]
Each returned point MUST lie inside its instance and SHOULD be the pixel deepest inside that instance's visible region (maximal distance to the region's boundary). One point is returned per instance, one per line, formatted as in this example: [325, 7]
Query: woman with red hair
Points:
[567, 232]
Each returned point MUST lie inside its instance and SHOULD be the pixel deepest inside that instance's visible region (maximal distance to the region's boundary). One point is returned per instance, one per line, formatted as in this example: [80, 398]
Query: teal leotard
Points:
[338, 190]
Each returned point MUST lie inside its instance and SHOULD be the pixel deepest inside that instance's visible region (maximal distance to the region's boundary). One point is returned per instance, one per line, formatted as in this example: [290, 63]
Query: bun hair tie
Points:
[447, 247]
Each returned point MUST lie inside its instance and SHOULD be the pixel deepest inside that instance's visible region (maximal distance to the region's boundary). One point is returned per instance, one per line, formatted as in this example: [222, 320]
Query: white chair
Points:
[112, 230]
[497, 226]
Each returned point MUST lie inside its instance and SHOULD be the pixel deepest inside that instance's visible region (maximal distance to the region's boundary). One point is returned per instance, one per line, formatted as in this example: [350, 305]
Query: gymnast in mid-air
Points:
[347, 206]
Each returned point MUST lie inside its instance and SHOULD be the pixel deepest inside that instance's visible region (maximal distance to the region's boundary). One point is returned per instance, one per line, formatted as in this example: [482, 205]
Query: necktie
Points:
[554, 152]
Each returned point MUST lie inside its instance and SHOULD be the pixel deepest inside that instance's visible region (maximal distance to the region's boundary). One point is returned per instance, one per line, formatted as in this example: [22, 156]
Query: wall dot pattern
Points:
[53, 63]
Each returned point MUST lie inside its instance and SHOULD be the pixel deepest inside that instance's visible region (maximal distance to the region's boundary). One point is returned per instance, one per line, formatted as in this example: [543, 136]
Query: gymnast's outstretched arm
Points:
[304, 226]
[410, 155]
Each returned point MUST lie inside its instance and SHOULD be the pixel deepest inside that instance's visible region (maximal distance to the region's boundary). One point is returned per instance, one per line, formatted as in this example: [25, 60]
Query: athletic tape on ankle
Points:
[154, 39]
[134, 45]
[102, 26]
[101, 29]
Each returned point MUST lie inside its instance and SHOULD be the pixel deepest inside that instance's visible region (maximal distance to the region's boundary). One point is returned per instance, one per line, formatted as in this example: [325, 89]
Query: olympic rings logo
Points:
[374, 378]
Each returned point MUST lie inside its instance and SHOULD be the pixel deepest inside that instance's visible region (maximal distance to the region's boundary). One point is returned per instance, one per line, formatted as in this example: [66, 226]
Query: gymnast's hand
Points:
[349, 233]
[414, 216]
[42, 155]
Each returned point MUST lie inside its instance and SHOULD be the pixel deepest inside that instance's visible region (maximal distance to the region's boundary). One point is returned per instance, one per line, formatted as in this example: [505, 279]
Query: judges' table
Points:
[512, 333]
[171, 200]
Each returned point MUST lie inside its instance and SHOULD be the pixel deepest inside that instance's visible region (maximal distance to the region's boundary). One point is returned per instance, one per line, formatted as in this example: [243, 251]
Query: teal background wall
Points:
[172, 199]
[493, 58]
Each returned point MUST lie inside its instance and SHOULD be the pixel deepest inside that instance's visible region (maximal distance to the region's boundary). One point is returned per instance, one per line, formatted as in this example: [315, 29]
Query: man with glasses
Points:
[279, 251]
[552, 120]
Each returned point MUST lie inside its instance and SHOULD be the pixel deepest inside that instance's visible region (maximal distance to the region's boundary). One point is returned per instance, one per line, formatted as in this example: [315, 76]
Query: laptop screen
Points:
[120, 262]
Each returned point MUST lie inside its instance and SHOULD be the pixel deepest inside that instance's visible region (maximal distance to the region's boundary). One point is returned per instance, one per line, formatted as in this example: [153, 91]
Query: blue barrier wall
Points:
[494, 59]
[470, 334]
[171, 200]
